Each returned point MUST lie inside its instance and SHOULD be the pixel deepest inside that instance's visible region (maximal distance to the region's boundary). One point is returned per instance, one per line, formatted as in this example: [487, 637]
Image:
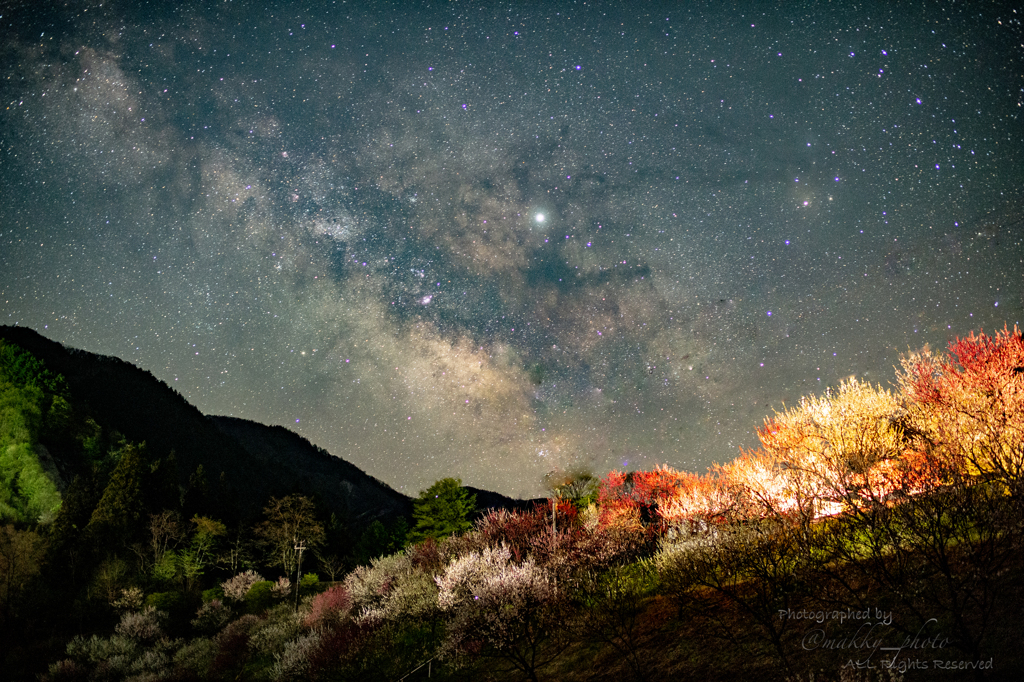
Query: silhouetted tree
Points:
[286, 521]
[379, 540]
[66, 532]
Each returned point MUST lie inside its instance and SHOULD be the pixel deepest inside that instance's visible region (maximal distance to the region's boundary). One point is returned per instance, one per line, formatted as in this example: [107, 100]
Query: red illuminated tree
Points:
[969, 405]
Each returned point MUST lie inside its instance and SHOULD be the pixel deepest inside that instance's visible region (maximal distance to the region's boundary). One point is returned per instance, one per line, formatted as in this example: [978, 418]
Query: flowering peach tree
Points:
[496, 607]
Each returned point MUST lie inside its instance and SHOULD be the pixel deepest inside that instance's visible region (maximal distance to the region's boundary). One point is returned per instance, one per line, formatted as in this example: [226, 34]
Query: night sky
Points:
[492, 240]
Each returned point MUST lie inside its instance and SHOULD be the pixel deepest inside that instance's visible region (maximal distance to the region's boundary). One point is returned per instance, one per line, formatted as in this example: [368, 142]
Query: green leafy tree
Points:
[22, 368]
[27, 491]
[578, 486]
[207, 535]
[441, 510]
[28, 391]
[90, 438]
[60, 420]
[186, 566]
[398, 535]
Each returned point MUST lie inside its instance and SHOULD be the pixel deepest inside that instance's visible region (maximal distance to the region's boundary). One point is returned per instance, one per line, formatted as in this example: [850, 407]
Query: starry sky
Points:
[495, 240]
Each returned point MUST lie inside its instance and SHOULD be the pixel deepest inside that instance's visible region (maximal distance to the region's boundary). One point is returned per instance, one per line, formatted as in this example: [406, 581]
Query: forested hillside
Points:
[238, 466]
[874, 535]
[111, 481]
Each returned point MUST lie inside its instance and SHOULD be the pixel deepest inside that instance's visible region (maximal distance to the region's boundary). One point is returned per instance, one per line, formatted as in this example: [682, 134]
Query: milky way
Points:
[327, 216]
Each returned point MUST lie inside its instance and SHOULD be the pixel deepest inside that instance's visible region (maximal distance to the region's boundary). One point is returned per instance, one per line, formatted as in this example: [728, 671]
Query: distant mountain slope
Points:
[121, 397]
[307, 466]
[487, 499]
[244, 462]
[300, 465]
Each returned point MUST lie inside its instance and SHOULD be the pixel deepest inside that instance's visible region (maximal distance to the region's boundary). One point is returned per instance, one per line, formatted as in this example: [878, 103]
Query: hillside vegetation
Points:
[874, 535]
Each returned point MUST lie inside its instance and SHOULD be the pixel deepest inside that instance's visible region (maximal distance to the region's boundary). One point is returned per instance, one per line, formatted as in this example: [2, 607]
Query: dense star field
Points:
[491, 240]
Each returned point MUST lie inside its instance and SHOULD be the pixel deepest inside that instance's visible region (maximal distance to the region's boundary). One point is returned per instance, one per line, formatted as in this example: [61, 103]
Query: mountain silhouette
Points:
[238, 463]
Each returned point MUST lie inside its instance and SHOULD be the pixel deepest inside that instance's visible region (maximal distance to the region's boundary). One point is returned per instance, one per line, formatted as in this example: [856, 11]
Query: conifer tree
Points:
[119, 515]
[443, 509]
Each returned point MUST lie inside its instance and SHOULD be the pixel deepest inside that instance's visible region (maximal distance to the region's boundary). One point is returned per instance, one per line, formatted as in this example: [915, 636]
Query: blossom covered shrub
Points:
[141, 626]
[136, 648]
[391, 588]
[426, 556]
[271, 635]
[236, 588]
[331, 605]
[233, 646]
[130, 599]
[566, 548]
[524, 532]
[195, 659]
[282, 588]
[211, 617]
[298, 655]
[115, 650]
[339, 649]
[66, 670]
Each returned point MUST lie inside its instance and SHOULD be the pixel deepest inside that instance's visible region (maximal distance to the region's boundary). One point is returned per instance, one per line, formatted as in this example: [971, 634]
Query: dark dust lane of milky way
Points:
[491, 241]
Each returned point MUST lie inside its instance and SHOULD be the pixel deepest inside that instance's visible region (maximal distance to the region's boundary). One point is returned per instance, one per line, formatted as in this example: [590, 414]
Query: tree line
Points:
[904, 505]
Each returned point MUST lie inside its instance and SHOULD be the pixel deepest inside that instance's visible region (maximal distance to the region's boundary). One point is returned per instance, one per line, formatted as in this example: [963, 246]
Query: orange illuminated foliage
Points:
[854, 447]
[698, 502]
[969, 405]
[653, 487]
[758, 484]
[618, 508]
[660, 498]
[834, 452]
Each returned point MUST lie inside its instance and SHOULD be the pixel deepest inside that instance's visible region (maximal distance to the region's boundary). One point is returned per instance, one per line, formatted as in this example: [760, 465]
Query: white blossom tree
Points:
[501, 609]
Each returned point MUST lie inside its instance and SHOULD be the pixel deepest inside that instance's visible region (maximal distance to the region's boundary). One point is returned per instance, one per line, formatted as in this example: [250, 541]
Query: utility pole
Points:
[300, 547]
[554, 509]
[554, 534]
